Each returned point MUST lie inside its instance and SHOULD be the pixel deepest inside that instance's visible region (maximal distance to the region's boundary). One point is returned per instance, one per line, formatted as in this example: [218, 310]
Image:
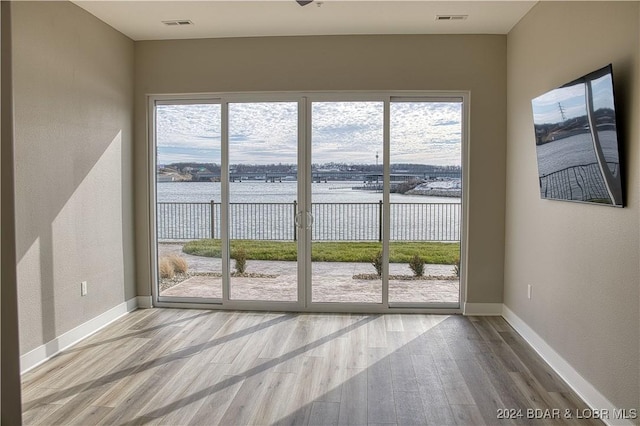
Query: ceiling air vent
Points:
[178, 22]
[451, 17]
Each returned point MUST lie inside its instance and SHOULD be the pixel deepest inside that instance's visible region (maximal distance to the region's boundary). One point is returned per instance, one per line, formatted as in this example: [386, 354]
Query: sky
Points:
[573, 100]
[342, 132]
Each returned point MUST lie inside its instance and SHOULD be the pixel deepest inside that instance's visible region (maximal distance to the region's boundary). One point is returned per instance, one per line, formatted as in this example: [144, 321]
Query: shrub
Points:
[456, 267]
[376, 261]
[417, 265]
[179, 263]
[406, 186]
[166, 268]
[171, 265]
[240, 256]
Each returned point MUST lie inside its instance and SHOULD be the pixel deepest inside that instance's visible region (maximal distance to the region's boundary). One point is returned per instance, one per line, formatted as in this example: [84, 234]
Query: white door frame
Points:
[304, 100]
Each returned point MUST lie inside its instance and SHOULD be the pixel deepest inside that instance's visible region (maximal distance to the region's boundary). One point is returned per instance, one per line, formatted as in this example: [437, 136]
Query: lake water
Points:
[575, 150]
[569, 169]
[281, 192]
[265, 210]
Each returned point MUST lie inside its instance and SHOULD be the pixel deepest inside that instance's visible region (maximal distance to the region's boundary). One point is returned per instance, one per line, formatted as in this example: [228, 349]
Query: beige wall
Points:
[582, 260]
[73, 167]
[75, 174]
[475, 63]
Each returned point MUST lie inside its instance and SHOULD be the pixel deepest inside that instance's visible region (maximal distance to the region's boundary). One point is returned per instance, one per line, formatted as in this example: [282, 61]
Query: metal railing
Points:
[187, 221]
[332, 221]
[346, 221]
[433, 221]
[583, 182]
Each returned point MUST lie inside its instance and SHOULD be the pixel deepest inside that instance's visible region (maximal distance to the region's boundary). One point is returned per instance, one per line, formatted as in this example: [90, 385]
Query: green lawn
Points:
[332, 251]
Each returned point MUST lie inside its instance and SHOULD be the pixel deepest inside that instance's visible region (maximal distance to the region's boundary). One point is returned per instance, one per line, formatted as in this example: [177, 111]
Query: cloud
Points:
[350, 132]
[186, 155]
[559, 104]
[426, 132]
[603, 92]
[192, 126]
[568, 102]
[263, 133]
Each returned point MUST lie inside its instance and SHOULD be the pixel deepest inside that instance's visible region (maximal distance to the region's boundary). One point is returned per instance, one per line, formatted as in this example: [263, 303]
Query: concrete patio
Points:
[331, 281]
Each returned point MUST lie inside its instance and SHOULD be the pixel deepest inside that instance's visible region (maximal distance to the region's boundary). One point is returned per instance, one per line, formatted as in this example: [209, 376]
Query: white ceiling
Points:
[142, 20]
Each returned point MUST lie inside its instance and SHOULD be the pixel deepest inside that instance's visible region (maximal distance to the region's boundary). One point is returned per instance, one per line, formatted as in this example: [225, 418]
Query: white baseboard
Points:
[145, 302]
[585, 390]
[42, 353]
[483, 309]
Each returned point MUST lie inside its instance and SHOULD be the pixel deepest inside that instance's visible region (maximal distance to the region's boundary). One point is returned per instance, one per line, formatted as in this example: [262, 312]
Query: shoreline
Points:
[450, 193]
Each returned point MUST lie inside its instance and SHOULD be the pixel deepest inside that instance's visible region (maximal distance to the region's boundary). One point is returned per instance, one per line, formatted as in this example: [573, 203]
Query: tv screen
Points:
[577, 143]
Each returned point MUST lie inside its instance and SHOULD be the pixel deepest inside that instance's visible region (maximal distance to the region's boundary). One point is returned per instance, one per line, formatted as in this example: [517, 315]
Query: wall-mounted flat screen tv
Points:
[577, 142]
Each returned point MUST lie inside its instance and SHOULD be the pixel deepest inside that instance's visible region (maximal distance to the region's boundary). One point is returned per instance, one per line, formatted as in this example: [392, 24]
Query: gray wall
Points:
[475, 63]
[11, 406]
[582, 260]
[73, 95]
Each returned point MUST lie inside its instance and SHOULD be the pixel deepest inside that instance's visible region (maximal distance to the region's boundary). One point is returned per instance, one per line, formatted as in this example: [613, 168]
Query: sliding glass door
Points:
[425, 210]
[188, 195]
[263, 199]
[310, 201]
[346, 180]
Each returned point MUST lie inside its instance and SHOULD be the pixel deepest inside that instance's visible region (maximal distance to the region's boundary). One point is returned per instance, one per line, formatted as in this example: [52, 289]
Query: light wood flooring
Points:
[179, 367]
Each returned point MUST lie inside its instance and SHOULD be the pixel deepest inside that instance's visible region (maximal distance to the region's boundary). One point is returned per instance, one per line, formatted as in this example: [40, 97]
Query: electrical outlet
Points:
[529, 291]
[83, 288]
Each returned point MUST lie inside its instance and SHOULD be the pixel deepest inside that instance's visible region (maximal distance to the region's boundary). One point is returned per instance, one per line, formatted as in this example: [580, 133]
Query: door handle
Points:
[308, 222]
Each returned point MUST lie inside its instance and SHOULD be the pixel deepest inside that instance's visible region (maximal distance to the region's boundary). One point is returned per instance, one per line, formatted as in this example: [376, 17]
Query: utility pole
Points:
[564, 117]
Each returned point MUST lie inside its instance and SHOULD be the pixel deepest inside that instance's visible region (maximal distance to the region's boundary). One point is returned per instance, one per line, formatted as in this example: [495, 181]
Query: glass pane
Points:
[188, 200]
[263, 173]
[425, 210]
[346, 197]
